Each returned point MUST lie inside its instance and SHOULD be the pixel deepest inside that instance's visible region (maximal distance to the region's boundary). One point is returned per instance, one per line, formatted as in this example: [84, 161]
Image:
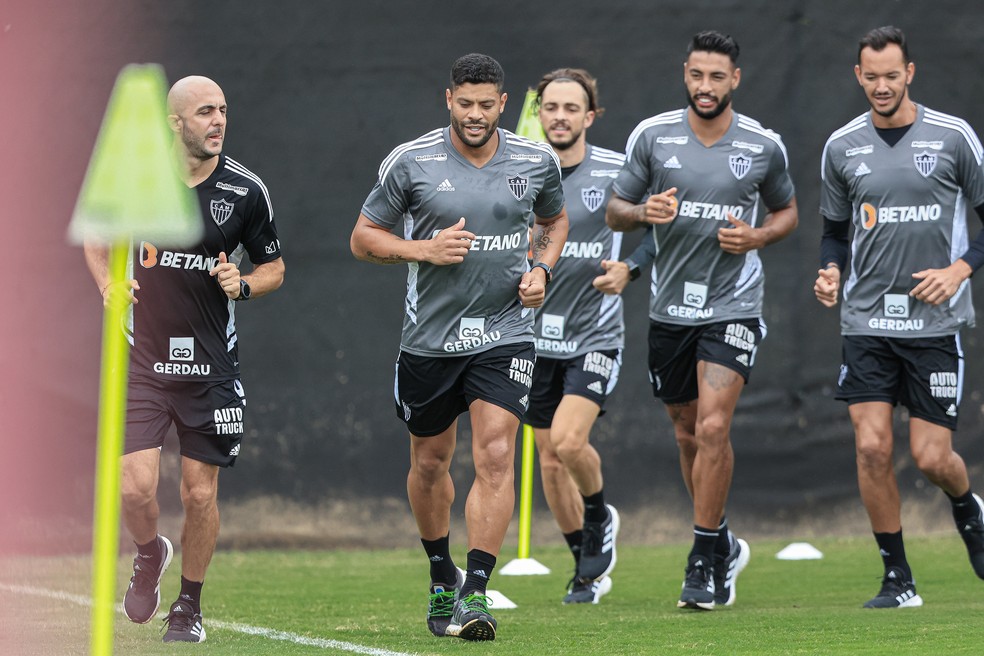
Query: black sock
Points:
[964, 507]
[191, 593]
[574, 544]
[480, 566]
[442, 569]
[151, 550]
[722, 548]
[893, 551]
[594, 507]
[704, 540]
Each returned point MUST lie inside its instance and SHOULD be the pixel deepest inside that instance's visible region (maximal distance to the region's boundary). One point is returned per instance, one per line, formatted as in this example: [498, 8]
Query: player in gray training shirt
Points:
[904, 176]
[700, 175]
[579, 337]
[466, 195]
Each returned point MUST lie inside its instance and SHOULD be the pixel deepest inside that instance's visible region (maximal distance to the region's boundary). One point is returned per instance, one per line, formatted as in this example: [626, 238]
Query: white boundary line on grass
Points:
[272, 634]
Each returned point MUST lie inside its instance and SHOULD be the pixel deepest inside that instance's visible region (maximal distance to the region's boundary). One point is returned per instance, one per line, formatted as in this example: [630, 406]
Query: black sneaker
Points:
[896, 592]
[598, 547]
[726, 570]
[440, 608]
[586, 591]
[698, 586]
[972, 532]
[471, 619]
[183, 624]
[143, 597]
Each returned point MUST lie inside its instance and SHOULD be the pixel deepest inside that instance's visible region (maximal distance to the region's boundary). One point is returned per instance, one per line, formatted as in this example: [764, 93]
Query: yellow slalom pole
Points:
[112, 424]
[526, 492]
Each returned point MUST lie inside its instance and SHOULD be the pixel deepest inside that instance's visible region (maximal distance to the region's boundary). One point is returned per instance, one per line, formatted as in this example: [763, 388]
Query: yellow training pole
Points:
[112, 423]
[526, 492]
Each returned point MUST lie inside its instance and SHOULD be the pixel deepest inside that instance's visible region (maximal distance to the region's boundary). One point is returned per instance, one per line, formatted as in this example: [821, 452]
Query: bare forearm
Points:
[549, 238]
[371, 244]
[778, 224]
[97, 259]
[265, 278]
[622, 216]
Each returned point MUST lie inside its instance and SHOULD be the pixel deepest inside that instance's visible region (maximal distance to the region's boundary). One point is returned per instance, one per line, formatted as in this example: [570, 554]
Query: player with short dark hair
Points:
[698, 176]
[184, 362]
[466, 194]
[903, 175]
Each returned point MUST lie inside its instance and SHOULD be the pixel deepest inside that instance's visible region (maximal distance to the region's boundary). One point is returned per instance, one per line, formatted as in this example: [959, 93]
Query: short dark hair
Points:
[713, 41]
[476, 68]
[579, 75]
[879, 38]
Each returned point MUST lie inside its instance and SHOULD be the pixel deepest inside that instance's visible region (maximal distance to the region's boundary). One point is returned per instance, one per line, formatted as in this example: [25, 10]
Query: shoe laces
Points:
[179, 620]
[577, 583]
[893, 585]
[697, 576]
[476, 603]
[442, 603]
[144, 577]
[591, 538]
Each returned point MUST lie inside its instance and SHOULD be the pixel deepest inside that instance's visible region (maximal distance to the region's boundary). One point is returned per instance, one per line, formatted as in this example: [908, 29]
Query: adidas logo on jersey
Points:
[445, 186]
[596, 387]
[861, 170]
[742, 359]
[672, 163]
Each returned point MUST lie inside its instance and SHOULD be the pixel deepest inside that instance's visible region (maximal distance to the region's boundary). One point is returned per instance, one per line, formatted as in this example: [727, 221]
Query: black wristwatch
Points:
[244, 291]
[546, 268]
[634, 270]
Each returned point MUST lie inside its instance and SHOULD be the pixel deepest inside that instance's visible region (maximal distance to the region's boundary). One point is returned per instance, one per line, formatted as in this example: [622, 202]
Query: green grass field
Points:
[342, 601]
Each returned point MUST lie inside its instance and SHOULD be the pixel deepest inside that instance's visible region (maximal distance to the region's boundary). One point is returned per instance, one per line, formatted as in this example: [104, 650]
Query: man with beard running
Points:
[698, 175]
[579, 336]
[465, 194]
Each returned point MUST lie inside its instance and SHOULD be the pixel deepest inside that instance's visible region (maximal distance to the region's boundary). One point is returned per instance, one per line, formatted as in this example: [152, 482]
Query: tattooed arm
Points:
[374, 243]
[546, 245]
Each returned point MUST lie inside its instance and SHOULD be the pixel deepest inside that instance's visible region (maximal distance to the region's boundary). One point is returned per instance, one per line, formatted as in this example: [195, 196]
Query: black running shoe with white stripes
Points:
[183, 624]
[586, 591]
[143, 597]
[897, 591]
[598, 547]
[972, 532]
[698, 585]
[726, 570]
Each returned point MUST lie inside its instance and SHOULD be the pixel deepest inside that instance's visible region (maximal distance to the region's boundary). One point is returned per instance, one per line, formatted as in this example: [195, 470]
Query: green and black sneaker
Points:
[440, 608]
[472, 620]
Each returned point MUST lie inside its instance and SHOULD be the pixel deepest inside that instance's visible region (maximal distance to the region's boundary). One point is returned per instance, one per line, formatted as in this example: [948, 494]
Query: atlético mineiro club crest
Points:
[592, 197]
[518, 186]
[221, 211]
[925, 162]
[739, 165]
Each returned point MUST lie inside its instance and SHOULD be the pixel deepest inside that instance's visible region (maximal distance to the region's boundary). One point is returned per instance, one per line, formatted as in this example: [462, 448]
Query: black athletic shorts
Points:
[592, 375]
[208, 417]
[431, 392]
[925, 374]
[675, 350]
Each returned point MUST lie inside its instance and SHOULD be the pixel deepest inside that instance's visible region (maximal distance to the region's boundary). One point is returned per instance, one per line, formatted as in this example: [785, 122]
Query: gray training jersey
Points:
[576, 318]
[473, 306]
[908, 205]
[693, 281]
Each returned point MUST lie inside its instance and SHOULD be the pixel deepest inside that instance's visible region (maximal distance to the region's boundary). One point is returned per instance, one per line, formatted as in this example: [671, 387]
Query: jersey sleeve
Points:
[389, 199]
[260, 232]
[633, 180]
[969, 159]
[777, 188]
[550, 201]
[834, 201]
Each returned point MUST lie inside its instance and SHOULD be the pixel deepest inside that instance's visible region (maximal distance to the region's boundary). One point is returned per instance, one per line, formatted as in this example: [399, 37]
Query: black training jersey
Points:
[184, 326]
